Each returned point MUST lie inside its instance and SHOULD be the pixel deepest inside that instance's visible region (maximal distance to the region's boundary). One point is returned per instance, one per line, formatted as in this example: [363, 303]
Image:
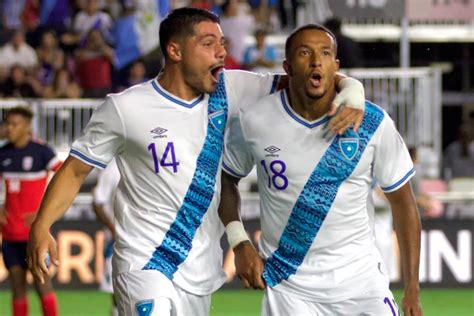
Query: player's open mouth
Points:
[215, 70]
[315, 80]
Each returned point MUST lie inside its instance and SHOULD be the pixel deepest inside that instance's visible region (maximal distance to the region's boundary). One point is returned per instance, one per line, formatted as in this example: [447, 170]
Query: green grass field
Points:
[456, 302]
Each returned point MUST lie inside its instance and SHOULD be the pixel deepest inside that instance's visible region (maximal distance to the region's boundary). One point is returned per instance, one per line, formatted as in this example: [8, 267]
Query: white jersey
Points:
[168, 151]
[316, 236]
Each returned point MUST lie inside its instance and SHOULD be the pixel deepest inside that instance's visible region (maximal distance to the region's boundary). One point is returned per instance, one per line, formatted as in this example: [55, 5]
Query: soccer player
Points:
[319, 256]
[102, 205]
[167, 138]
[24, 165]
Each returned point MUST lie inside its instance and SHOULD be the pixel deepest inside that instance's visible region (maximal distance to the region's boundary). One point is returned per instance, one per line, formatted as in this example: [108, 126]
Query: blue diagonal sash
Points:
[315, 200]
[178, 240]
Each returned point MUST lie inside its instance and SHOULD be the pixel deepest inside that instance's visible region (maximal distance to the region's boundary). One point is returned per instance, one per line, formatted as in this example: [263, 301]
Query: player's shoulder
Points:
[257, 112]
[374, 112]
[132, 95]
[234, 76]
[39, 145]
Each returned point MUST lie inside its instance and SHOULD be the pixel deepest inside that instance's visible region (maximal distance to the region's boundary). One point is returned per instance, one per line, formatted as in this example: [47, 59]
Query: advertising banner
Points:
[446, 255]
[368, 9]
[433, 10]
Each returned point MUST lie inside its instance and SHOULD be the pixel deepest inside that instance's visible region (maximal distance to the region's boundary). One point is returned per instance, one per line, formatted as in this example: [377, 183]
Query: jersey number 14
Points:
[167, 160]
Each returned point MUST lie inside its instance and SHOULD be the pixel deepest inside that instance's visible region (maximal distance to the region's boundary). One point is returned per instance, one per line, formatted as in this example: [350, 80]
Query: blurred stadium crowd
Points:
[71, 49]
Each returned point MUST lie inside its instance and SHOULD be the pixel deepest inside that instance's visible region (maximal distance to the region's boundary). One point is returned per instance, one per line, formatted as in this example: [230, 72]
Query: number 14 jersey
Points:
[168, 152]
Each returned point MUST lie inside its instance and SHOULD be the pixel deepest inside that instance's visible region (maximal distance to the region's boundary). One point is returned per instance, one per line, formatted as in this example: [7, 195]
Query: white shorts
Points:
[374, 303]
[150, 293]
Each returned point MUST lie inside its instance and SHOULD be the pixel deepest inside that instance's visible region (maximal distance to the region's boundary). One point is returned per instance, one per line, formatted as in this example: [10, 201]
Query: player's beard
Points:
[199, 80]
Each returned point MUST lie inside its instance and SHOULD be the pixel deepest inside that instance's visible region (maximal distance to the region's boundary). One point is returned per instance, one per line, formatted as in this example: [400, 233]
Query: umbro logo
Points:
[159, 132]
[272, 150]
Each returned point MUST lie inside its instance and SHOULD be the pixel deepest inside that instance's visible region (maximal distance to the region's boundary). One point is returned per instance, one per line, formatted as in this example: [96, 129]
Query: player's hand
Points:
[249, 265]
[348, 106]
[344, 117]
[411, 304]
[40, 244]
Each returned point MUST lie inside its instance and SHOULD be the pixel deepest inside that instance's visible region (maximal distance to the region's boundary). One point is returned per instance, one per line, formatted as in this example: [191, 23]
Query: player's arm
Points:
[58, 197]
[406, 221]
[348, 105]
[249, 265]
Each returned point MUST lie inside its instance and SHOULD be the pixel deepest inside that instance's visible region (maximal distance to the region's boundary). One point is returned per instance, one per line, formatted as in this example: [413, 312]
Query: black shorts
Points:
[14, 254]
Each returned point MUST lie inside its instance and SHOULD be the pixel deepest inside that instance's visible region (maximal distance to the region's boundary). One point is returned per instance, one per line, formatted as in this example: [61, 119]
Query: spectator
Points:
[263, 10]
[3, 80]
[349, 51]
[55, 15]
[30, 15]
[86, 20]
[50, 57]
[63, 86]
[20, 85]
[459, 155]
[18, 52]
[260, 57]
[10, 15]
[24, 165]
[229, 61]
[136, 74]
[236, 26]
[94, 66]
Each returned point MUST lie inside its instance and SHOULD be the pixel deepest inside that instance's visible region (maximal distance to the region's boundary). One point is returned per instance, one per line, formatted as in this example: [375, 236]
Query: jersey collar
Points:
[289, 110]
[188, 104]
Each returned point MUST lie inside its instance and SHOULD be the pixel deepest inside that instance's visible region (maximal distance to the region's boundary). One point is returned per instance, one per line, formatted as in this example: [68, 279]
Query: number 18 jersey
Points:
[168, 152]
[316, 237]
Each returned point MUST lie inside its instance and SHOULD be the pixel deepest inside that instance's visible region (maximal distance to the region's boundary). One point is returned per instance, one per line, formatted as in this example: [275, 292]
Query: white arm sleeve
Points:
[393, 165]
[102, 138]
[237, 160]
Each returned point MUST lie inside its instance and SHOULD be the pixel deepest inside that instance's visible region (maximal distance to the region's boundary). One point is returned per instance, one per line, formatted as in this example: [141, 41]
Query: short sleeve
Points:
[393, 165]
[237, 160]
[102, 138]
[52, 161]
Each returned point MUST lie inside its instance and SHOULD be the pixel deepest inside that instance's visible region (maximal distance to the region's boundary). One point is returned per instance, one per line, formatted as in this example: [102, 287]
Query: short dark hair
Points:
[318, 27]
[180, 23]
[22, 111]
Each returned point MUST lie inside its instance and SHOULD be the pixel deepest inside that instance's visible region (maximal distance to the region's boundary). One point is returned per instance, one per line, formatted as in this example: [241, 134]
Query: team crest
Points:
[217, 120]
[27, 163]
[349, 147]
[144, 308]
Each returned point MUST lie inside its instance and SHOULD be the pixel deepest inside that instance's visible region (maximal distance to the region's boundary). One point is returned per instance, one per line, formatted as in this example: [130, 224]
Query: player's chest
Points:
[170, 136]
[294, 158]
[21, 162]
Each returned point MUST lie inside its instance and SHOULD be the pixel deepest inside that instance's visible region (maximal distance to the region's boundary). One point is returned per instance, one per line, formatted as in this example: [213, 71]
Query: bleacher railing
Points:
[411, 96]
[413, 99]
